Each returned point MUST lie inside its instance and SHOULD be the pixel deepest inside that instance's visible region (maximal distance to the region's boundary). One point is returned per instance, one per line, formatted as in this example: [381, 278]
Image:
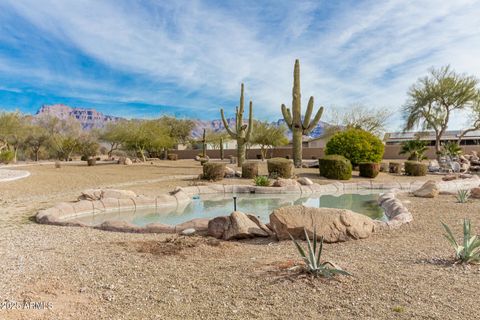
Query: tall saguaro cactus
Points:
[293, 119]
[242, 131]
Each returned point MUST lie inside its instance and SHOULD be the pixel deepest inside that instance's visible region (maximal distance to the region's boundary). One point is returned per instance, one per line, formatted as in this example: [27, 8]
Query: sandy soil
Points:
[92, 274]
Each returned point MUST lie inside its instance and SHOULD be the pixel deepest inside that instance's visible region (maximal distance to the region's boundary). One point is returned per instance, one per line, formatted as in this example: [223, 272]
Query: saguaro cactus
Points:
[242, 131]
[221, 149]
[204, 145]
[294, 118]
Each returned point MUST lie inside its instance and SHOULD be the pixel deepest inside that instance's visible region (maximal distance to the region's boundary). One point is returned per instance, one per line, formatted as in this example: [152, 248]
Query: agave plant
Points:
[312, 257]
[469, 252]
[463, 195]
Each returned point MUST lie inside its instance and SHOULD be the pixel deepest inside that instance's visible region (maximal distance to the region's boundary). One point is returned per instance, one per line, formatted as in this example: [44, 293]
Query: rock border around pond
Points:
[97, 201]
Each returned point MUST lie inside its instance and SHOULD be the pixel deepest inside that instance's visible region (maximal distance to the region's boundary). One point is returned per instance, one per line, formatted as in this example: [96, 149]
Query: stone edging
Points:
[13, 175]
[398, 214]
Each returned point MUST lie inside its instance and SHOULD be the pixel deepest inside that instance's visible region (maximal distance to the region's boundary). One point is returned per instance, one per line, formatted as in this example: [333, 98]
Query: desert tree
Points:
[13, 132]
[146, 136]
[473, 118]
[37, 138]
[267, 136]
[433, 99]
[373, 120]
[114, 134]
[64, 135]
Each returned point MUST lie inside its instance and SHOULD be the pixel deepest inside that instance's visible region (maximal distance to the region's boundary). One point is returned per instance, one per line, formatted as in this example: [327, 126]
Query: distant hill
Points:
[88, 118]
[93, 119]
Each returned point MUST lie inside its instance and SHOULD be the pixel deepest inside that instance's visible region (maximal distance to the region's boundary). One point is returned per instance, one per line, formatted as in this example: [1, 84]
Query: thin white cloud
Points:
[368, 52]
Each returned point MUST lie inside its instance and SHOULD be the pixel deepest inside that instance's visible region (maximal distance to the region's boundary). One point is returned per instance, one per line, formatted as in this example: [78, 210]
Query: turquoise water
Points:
[210, 206]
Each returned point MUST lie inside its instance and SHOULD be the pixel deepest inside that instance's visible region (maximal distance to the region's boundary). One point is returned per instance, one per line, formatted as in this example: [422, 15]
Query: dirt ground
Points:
[83, 273]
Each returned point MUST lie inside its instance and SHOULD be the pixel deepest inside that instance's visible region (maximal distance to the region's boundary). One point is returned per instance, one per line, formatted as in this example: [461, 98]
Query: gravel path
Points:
[10, 175]
[92, 274]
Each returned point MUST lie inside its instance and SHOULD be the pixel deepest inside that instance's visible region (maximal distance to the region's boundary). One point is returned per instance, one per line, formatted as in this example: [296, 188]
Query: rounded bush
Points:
[249, 169]
[213, 171]
[7, 156]
[394, 167]
[356, 145]
[335, 167]
[280, 168]
[414, 168]
[172, 156]
[91, 162]
[369, 169]
[203, 161]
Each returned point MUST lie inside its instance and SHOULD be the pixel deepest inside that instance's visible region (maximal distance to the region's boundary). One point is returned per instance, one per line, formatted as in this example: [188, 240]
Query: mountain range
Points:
[92, 119]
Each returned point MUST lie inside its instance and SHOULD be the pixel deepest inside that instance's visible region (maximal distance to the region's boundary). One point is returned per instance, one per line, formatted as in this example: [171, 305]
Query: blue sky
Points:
[188, 58]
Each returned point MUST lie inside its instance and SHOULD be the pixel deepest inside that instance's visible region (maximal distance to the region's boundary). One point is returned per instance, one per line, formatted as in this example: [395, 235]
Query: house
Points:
[471, 138]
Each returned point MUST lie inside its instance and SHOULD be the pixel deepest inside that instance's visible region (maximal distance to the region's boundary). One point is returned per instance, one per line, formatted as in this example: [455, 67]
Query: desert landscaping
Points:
[402, 273]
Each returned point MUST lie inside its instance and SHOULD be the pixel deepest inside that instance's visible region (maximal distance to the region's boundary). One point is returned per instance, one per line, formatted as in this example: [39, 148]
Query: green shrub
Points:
[172, 156]
[280, 168]
[213, 171]
[394, 167]
[414, 168]
[7, 156]
[356, 145]
[369, 169]
[261, 181]
[335, 167]
[249, 169]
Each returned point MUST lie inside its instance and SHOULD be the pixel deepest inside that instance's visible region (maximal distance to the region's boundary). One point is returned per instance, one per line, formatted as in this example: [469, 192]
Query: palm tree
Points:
[415, 149]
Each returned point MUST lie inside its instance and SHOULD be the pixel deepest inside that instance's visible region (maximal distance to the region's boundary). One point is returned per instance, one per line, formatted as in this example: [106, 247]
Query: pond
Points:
[261, 205]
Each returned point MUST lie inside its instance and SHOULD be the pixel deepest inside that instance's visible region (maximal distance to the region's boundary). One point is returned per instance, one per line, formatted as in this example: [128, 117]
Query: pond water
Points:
[261, 205]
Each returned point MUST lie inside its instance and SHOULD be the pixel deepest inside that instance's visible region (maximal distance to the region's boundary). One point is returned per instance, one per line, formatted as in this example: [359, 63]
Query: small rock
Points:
[229, 172]
[285, 183]
[189, 232]
[429, 189]
[449, 177]
[238, 174]
[475, 193]
[128, 162]
[304, 181]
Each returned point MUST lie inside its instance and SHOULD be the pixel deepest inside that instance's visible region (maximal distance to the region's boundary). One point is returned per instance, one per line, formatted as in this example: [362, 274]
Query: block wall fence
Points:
[391, 152]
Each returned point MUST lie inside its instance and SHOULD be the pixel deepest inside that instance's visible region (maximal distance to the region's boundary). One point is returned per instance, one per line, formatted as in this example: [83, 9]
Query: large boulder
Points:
[335, 225]
[236, 226]
[429, 189]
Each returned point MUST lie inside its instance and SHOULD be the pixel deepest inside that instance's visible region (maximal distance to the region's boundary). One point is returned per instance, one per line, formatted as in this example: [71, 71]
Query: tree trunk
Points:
[297, 147]
[437, 146]
[241, 150]
[263, 152]
[37, 150]
[143, 155]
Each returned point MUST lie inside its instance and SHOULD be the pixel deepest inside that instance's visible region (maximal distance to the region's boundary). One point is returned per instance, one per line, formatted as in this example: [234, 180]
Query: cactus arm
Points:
[238, 120]
[315, 120]
[287, 116]
[225, 124]
[308, 114]
[296, 97]
[250, 122]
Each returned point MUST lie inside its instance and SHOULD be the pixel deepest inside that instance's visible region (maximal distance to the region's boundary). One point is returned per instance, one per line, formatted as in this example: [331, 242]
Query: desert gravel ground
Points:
[92, 274]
